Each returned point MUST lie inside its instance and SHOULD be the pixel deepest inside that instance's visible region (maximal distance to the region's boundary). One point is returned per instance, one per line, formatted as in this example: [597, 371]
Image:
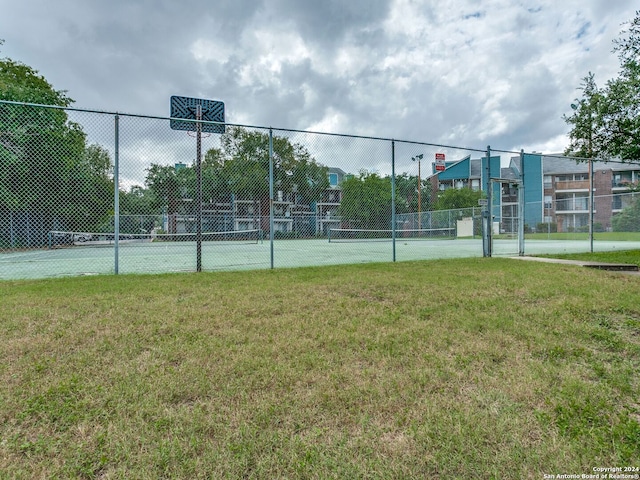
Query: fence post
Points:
[591, 205]
[199, 188]
[521, 209]
[488, 211]
[116, 196]
[271, 218]
[393, 198]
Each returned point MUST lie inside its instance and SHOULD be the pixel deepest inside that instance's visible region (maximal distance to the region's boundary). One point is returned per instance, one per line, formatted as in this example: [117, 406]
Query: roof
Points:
[508, 174]
[559, 165]
[552, 165]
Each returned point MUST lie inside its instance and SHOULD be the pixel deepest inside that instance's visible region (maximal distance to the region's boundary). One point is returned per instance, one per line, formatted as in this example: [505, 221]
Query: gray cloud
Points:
[463, 71]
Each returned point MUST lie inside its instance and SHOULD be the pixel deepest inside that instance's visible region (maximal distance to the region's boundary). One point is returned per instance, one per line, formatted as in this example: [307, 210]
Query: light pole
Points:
[418, 158]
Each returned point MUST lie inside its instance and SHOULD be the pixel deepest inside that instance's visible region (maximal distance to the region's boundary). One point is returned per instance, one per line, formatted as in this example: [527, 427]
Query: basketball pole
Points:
[183, 108]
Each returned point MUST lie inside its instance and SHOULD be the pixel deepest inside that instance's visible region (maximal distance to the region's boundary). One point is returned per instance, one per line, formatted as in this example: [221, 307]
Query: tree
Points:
[628, 220]
[454, 198]
[137, 214]
[19, 82]
[586, 136]
[87, 201]
[246, 166]
[606, 122]
[366, 201]
[168, 185]
[621, 109]
[49, 178]
[407, 194]
[32, 139]
[240, 170]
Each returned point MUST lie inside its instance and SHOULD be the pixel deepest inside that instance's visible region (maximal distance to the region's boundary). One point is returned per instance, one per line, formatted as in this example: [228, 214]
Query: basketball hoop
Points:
[187, 108]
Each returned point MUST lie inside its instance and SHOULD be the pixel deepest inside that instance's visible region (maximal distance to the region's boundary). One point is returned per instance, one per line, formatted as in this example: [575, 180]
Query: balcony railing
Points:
[572, 205]
[622, 184]
[572, 185]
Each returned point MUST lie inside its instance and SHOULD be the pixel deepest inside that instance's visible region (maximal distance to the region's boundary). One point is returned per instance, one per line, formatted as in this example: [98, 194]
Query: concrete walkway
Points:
[616, 267]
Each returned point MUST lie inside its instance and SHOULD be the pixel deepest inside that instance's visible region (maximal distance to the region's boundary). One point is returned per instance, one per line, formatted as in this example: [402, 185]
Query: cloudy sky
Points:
[458, 72]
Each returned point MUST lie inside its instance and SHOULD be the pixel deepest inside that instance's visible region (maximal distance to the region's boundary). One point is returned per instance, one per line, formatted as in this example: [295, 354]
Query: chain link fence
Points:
[85, 192]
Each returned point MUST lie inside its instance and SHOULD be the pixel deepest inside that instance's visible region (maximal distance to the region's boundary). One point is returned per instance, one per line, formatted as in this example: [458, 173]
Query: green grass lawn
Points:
[481, 368]
[602, 236]
[631, 257]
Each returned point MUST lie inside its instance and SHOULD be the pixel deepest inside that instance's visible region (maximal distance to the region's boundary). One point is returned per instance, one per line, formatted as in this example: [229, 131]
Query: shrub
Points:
[547, 227]
[628, 220]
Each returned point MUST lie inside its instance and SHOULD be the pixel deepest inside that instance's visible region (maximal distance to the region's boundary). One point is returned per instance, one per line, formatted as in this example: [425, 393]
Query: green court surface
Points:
[164, 257]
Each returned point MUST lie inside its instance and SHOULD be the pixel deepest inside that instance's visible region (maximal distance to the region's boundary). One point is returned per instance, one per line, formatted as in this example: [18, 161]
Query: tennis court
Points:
[162, 257]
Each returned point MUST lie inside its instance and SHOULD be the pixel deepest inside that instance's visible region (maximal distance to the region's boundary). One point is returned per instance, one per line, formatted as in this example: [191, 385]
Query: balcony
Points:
[622, 185]
[572, 206]
[572, 185]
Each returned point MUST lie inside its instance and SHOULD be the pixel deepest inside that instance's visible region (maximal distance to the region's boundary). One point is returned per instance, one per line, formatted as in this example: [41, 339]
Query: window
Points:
[617, 202]
[333, 179]
[547, 181]
[581, 221]
[572, 202]
[571, 177]
[581, 203]
[548, 201]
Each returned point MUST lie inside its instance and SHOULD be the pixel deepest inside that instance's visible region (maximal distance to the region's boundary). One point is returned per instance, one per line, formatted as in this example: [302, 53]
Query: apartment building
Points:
[290, 213]
[566, 192]
[556, 188]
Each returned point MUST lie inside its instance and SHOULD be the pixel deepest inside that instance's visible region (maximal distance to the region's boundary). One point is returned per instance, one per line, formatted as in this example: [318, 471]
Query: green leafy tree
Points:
[137, 201]
[454, 198]
[241, 169]
[628, 220]
[137, 212]
[88, 192]
[606, 121]
[586, 136]
[19, 82]
[32, 140]
[48, 176]
[246, 165]
[366, 201]
[168, 186]
[407, 194]
[215, 187]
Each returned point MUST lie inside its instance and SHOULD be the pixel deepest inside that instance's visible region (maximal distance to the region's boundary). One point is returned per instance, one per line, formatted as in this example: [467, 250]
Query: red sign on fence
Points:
[440, 165]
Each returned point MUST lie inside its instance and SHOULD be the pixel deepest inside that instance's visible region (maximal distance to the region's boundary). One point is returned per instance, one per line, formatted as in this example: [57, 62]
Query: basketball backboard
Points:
[186, 107]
